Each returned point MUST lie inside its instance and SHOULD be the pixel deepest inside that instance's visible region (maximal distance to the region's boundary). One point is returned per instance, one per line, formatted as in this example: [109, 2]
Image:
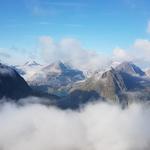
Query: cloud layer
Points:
[71, 51]
[139, 52]
[97, 127]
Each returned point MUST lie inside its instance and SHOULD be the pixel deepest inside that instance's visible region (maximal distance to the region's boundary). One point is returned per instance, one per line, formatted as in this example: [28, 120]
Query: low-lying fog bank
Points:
[98, 126]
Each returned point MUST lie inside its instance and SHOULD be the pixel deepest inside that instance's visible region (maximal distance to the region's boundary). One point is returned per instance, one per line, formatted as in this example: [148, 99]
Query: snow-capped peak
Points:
[57, 67]
[31, 63]
[29, 68]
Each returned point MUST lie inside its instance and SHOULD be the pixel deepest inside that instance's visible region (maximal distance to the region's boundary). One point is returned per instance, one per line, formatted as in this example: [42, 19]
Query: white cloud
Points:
[15, 55]
[139, 52]
[71, 51]
[143, 45]
[120, 54]
[97, 127]
[4, 54]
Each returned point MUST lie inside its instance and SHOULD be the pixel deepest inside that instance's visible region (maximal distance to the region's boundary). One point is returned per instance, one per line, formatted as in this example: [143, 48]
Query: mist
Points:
[98, 126]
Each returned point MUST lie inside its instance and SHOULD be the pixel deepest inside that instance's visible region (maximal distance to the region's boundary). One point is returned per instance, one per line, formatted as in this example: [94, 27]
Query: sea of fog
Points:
[97, 126]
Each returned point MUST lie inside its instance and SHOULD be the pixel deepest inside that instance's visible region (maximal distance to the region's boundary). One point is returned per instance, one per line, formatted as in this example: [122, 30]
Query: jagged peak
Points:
[57, 66]
[126, 63]
[130, 68]
[31, 63]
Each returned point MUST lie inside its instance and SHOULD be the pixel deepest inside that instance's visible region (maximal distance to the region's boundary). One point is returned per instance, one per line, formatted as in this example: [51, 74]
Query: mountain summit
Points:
[55, 76]
[123, 84]
[31, 63]
[57, 67]
[130, 68]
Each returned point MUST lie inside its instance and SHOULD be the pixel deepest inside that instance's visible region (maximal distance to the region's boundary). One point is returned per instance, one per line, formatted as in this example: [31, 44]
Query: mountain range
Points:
[55, 78]
[70, 88]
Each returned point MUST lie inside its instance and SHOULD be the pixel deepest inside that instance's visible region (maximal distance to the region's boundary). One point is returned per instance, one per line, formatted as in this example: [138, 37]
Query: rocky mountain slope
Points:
[130, 68]
[12, 85]
[55, 78]
[123, 84]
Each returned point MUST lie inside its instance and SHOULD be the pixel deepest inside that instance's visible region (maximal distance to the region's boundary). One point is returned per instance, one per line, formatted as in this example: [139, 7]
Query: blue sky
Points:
[100, 25]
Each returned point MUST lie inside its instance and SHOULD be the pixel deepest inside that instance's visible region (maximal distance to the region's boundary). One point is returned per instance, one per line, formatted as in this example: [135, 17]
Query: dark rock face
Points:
[78, 98]
[19, 70]
[130, 68]
[12, 85]
[134, 82]
[113, 84]
[109, 85]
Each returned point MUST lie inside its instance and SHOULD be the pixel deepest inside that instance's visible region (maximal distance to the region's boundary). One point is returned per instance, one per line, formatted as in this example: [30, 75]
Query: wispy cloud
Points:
[3, 53]
[47, 8]
[131, 3]
[37, 8]
[42, 23]
[16, 55]
[67, 4]
[74, 25]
